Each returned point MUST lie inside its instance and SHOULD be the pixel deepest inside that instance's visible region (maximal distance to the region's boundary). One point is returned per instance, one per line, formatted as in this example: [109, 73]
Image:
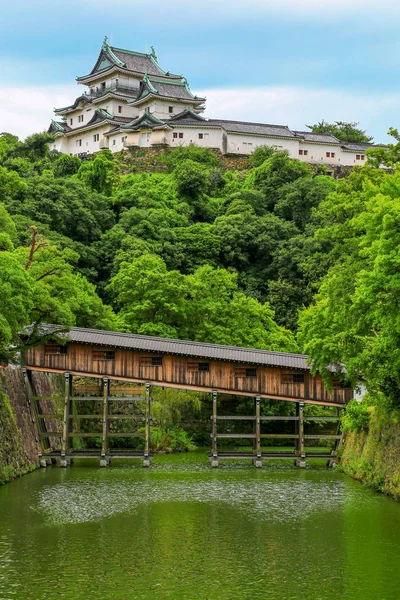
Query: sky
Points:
[286, 62]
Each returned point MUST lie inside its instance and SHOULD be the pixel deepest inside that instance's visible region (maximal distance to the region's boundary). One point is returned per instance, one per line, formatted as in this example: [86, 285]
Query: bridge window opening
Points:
[292, 378]
[103, 354]
[198, 367]
[151, 361]
[246, 372]
[55, 349]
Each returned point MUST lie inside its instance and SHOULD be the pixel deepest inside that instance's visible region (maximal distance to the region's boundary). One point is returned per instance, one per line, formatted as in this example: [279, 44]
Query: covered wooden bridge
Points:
[151, 361]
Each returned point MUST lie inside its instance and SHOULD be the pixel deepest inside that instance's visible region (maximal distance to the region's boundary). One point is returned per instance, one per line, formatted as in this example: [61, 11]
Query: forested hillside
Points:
[204, 253]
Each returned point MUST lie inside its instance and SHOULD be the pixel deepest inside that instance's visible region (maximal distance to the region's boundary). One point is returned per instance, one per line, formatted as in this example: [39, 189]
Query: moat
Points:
[184, 531]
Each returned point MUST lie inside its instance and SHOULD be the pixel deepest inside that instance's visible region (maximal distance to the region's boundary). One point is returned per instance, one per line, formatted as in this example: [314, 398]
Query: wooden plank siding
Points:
[223, 376]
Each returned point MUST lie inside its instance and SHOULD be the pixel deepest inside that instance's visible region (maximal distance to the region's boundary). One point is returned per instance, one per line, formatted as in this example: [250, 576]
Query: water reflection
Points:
[181, 530]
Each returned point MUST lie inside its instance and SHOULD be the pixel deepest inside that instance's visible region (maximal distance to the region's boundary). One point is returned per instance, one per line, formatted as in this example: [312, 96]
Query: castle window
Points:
[96, 137]
[245, 372]
[55, 349]
[362, 157]
[301, 152]
[292, 378]
[78, 143]
[170, 109]
[198, 367]
[71, 121]
[80, 118]
[201, 136]
[120, 109]
[113, 143]
[103, 354]
[305, 152]
[151, 361]
[174, 135]
[328, 154]
[332, 155]
[180, 135]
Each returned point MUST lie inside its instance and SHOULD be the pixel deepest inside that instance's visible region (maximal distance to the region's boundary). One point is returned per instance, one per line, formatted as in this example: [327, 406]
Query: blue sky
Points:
[280, 61]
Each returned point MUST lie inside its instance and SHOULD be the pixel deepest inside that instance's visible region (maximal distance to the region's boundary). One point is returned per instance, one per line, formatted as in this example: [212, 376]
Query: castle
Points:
[131, 102]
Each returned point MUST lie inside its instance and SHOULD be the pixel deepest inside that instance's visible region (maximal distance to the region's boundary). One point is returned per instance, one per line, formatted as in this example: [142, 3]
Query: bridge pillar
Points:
[64, 462]
[300, 462]
[146, 457]
[214, 458]
[104, 461]
[257, 460]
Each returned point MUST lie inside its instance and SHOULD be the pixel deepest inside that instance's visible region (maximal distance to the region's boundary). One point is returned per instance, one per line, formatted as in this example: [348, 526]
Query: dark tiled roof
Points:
[137, 62]
[253, 128]
[58, 127]
[185, 348]
[188, 118]
[324, 138]
[358, 147]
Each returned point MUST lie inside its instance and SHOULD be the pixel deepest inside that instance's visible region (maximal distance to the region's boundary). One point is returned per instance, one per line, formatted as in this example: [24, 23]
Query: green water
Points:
[181, 530]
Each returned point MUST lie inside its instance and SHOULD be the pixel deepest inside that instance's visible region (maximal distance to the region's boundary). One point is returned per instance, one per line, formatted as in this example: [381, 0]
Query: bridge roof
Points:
[146, 343]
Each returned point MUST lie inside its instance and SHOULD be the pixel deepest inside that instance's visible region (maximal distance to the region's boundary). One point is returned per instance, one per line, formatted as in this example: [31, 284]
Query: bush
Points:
[356, 416]
[170, 438]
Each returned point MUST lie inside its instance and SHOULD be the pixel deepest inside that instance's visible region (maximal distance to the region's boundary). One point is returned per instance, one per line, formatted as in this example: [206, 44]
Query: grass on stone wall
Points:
[372, 455]
[13, 460]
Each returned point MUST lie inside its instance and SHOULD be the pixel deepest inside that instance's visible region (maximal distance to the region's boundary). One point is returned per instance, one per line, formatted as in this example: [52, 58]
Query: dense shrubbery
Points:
[207, 254]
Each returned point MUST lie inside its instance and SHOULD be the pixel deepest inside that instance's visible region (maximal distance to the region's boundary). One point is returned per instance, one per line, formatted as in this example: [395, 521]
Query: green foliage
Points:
[372, 455]
[387, 156]
[261, 154]
[204, 306]
[169, 439]
[356, 416]
[355, 316]
[345, 132]
[99, 173]
[192, 178]
[193, 153]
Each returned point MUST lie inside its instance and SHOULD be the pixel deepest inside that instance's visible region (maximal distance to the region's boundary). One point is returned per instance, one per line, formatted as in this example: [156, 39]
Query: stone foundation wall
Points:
[372, 456]
[142, 160]
[18, 447]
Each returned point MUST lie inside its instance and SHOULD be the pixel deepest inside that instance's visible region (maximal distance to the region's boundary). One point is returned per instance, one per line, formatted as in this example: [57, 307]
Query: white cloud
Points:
[25, 110]
[296, 107]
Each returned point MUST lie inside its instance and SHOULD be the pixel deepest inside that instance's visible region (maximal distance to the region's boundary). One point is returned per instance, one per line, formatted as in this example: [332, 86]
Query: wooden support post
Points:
[257, 460]
[34, 416]
[301, 461]
[332, 463]
[146, 457]
[65, 438]
[104, 445]
[214, 459]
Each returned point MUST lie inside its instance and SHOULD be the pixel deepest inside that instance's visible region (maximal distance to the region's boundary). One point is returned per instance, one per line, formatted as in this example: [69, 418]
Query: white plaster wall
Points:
[88, 143]
[317, 154]
[349, 158]
[161, 109]
[116, 143]
[212, 138]
[246, 144]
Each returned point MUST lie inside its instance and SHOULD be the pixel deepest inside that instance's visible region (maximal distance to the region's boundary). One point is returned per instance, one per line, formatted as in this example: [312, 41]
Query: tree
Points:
[205, 306]
[275, 172]
[261, 154]
[345, 132]
[99, 173]
[354, 320]
[16, 301]
[386, 156]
